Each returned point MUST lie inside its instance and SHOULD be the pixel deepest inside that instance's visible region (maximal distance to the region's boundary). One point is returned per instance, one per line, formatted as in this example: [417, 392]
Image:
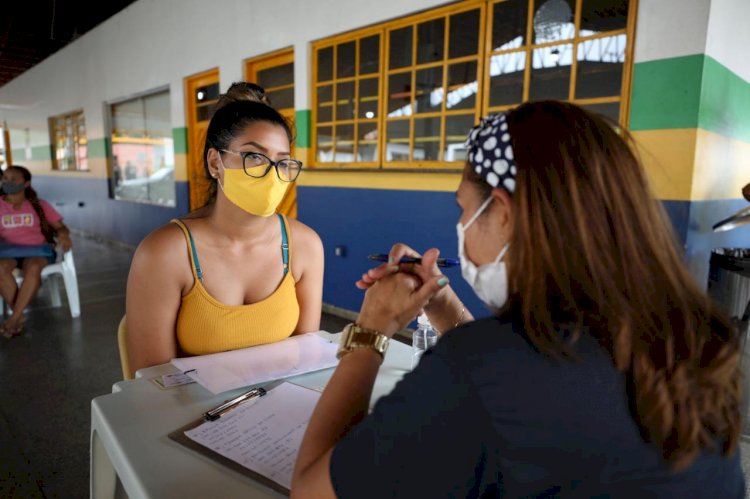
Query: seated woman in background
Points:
[26, 221]
[605, 371]
[235, 273]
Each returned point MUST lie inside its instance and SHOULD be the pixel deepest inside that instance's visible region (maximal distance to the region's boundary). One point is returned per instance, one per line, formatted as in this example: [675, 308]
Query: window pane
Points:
[430, 92]
[345, 60]
[506, 78]
[203, 113]
[464, 34]
[207, 93]
[325, 104]
[325, 64]
[143, 150]
[397, 141]
[399, 95]
[610, 110]
[399, 53]
[344, 152]
[553, 20]
[597, 16]
[509, 24]
[456, 130]
[550, 72]
[367, 142]
[462, 85]
[345, 101]
[430, 41]
[276, 76]
[368, 98]
[282, 99]
[426, 139]
[369, 54]
[324, 141]
[600, 63]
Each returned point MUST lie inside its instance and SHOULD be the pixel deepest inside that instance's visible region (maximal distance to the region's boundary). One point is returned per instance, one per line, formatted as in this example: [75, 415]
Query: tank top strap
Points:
[194, 263]
[286, 248]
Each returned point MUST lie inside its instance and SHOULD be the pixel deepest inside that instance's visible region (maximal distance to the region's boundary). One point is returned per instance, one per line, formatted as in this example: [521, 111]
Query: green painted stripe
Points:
[725, 102]
[18, 154]
[99, 148]
[179, 135]
[302, 121]
[38, 153]
[666, 93]
[694, 91]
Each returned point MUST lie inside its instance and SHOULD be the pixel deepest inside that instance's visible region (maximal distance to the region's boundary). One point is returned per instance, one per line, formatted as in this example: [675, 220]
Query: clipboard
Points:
[180, 437]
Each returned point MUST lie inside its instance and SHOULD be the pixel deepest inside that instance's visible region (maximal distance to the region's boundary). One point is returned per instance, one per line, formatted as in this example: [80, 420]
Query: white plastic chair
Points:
[67, 269]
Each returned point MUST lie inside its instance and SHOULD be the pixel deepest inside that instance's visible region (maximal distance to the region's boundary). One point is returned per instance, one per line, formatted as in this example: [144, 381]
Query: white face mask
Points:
[489, 281]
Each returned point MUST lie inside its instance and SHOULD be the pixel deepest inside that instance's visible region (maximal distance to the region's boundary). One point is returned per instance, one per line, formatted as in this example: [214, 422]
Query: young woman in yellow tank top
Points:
[235, 273]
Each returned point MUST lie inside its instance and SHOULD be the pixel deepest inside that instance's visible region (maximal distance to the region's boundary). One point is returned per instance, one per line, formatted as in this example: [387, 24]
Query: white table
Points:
[129, 429]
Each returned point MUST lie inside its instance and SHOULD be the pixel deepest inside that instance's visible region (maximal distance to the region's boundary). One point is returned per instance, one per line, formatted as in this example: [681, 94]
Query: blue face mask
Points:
[12, 187]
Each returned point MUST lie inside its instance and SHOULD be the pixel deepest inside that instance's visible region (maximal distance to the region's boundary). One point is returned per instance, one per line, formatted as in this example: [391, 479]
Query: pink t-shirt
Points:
[21, 226]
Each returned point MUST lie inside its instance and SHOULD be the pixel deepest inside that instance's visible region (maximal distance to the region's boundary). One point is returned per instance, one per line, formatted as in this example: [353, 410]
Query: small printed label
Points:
[172, 380]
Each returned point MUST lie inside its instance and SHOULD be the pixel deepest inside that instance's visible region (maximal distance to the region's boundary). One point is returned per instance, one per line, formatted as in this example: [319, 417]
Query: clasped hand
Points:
[398, 292]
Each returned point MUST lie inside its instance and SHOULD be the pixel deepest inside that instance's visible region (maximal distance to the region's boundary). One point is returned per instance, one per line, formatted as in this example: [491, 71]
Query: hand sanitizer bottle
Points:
[423, 338]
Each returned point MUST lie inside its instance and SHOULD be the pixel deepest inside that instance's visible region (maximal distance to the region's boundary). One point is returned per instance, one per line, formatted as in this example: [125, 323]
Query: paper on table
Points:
[262, 435]
[224, 371]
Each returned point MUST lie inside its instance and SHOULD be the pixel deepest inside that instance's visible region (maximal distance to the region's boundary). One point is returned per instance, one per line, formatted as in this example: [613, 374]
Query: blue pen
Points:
[441, 262]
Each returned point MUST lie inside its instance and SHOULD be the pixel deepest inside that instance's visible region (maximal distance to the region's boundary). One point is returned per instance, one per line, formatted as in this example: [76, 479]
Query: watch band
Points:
[355, 337]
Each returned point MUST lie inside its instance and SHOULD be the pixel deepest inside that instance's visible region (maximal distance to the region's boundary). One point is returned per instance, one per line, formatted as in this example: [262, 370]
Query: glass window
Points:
[143, 150]
[430, 41]
[278, 82]
[205, 99]
[405, 93]
[346, 98]
[69, 144]
[399, 54]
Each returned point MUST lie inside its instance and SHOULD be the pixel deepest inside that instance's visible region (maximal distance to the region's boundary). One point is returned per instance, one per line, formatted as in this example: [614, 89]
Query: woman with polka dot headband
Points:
[602, 371]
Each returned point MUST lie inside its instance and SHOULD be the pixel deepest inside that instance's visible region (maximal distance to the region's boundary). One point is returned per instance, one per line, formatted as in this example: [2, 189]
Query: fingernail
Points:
[442, 281]
[390, 259]
[394, 268]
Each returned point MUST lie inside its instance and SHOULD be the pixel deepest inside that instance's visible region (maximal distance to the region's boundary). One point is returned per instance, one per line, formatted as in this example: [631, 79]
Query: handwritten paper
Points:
[224, 371]
[262, 435]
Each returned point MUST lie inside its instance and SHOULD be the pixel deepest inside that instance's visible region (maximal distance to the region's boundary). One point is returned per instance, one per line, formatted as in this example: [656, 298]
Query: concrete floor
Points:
[49, 375]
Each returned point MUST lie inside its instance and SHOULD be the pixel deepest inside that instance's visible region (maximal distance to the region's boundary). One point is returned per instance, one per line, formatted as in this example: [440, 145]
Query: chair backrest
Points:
[122, 342]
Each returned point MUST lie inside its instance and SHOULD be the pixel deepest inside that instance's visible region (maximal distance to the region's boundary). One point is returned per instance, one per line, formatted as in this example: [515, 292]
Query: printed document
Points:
[295, 355]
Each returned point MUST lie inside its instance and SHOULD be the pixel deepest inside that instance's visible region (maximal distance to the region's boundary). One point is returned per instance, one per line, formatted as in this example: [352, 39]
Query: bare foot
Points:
[13, 327]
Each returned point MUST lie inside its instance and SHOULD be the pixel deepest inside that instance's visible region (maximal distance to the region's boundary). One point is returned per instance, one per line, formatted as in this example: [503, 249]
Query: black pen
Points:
[441, 262]
[216, 413]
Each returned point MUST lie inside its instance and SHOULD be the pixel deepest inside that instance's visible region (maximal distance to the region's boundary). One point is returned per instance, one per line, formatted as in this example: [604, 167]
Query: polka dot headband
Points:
[490, 152]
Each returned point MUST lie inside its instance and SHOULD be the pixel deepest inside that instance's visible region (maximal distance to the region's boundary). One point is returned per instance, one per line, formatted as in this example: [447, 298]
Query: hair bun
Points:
[243, 91]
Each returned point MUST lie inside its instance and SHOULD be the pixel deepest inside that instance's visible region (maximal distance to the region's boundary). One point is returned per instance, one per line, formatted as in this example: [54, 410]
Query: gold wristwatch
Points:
[355, 336]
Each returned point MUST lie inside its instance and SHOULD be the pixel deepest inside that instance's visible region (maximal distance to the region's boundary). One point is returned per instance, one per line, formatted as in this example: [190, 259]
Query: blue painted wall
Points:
[85, 205]
[367, 221]
[364, 221]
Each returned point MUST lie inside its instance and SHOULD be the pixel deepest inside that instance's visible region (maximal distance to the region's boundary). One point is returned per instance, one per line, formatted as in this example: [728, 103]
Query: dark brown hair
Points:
[47, 231]
[592, 247]
[242, 104]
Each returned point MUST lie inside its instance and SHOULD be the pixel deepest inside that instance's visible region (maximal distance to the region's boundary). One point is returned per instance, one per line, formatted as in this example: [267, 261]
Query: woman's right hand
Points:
[444, 308]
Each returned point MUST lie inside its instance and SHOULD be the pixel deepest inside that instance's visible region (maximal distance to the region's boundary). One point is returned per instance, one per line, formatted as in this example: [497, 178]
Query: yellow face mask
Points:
[257, 196]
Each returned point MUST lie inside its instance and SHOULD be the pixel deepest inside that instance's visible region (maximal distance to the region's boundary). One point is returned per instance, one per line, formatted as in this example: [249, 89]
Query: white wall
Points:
[729, 35]
[153, 43]
[671, 28]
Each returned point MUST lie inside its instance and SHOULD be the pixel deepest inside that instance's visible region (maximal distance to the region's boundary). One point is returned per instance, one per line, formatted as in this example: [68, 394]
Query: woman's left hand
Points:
[394, 300]
[65, 242]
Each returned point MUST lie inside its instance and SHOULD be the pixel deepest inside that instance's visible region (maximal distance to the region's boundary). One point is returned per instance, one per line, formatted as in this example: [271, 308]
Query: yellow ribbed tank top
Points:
[204, 325]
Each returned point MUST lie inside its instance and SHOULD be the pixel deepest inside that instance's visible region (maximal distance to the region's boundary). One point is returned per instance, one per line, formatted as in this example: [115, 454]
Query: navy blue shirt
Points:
[486, 415]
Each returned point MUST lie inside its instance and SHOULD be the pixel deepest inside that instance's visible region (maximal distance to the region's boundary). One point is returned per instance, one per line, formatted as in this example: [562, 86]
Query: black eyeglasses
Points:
[257, 165]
